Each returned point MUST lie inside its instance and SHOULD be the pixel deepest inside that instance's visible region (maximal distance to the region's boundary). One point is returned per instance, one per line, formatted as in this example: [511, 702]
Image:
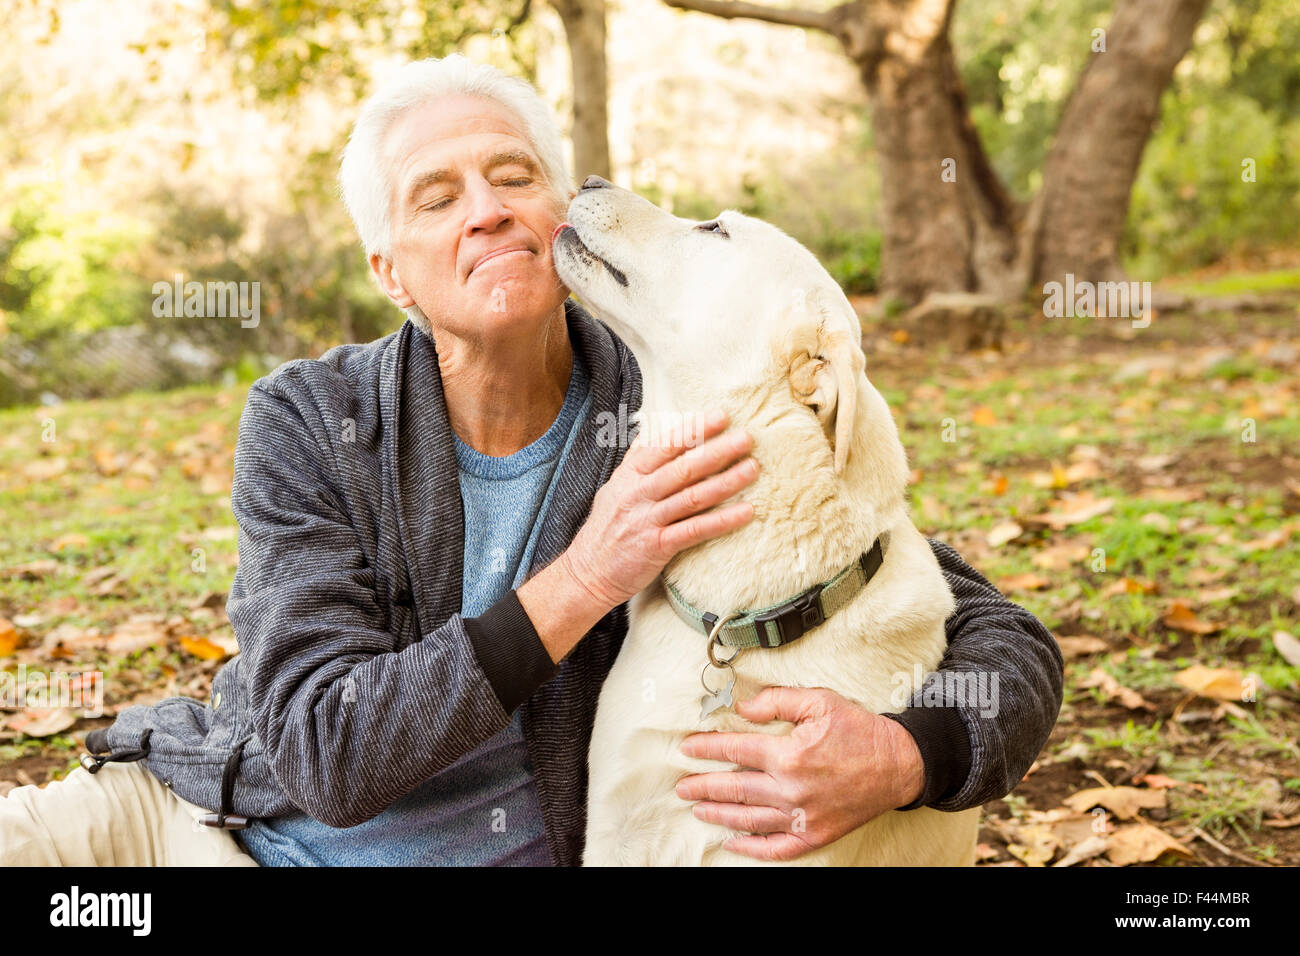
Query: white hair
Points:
[366, 179]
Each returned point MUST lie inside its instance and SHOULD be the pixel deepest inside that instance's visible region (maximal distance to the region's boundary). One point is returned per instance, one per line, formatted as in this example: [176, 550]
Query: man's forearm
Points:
[977, 750]
[560, 607]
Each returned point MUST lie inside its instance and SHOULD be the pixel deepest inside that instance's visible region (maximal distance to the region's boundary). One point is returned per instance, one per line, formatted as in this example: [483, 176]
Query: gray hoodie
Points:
[358, 677]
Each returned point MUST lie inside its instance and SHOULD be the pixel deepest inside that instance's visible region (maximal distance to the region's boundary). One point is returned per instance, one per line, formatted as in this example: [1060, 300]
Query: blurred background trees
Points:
[146, 139]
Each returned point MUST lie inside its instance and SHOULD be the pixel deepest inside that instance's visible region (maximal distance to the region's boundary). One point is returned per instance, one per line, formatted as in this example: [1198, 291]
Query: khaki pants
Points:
[120, 816]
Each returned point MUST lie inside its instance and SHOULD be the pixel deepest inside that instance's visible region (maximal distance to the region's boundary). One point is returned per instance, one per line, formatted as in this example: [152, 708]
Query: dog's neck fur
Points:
[809, 523]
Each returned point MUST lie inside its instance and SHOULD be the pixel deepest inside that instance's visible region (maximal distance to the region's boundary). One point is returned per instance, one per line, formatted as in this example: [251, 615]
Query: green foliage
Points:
[1235, 96]
[1191, 205]
[63, 272]
[284, 46]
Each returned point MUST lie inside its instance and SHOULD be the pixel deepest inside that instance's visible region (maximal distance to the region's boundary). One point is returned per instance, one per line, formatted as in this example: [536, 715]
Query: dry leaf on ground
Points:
[1035, 844]
[1004, 532]
[1288, 646]
[1095, 845]
[1114, 690]
[1124, 802]
[1158, 781]
[1142, 843]
[202, 648]
[1072, 511]
[1217, 683]
[1180, 617]
[1058, 557]
[42, 721]
[8, 637]
[1024, 582]
[1127, 585]
[1080, 645]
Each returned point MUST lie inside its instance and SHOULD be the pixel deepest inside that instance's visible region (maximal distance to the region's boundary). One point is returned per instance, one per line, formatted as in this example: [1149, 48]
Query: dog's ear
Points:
[824, 376]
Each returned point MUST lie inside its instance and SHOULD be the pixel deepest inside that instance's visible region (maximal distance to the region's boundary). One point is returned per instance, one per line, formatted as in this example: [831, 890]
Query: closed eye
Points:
[713, 226]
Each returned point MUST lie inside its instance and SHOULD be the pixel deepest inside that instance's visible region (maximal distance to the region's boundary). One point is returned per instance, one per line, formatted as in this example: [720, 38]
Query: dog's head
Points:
[730, 312]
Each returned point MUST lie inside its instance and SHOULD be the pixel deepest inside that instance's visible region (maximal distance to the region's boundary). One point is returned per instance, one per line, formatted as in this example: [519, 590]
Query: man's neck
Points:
[503, 396]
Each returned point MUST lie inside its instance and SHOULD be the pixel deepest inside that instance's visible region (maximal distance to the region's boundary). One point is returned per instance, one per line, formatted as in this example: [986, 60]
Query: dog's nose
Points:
[595, 182]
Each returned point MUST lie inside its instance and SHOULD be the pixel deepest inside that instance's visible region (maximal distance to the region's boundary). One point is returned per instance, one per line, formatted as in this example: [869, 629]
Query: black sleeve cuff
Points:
[509, 651]
[941, 737]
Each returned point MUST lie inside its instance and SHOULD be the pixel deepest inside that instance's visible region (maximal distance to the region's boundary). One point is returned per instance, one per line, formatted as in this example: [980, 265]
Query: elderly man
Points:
[436, 552]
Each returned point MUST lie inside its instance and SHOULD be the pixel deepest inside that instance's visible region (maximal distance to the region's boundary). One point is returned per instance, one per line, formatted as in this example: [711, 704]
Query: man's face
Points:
[472, 218]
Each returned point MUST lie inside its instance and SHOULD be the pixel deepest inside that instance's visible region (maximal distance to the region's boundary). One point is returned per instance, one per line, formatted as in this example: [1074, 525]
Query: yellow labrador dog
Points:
[829, 585]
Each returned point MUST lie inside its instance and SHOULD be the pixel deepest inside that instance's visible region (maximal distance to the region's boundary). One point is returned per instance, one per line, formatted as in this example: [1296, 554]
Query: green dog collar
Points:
[784, 623]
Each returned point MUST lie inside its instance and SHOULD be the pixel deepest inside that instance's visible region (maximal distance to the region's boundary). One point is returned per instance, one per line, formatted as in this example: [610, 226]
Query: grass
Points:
[1236, 284]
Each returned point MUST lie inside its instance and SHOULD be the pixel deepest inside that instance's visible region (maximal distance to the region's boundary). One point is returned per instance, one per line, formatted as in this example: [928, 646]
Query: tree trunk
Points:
[584, 27]
[949, 224]
[1089, 172]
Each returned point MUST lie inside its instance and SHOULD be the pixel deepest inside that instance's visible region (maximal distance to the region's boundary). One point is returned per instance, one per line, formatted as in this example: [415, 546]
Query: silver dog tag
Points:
[718, 700]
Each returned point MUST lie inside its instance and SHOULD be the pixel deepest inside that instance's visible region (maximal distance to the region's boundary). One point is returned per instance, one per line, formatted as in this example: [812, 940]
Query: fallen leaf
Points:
[1024, 582]
[1210, 595]
[35, 570]
[1004, 532]
[1124, 802]
[1060, 556]
[1114, 690]
[1161, 522]
[1177, 495]
[1158, 781]
[136, 633]
[1093, 846]
[1217, 683]
[983, 415]
[8, 637]
[1035, 845]
[1151, 463]
[202, 648]
[1076, 510]
[69, 541]
[42, 721]
[1127, 585]
[1084, 470]
[1142, 843]
[1288, 646]
[43, 469]
[985, 852]
[1081, 646]
[1270, 541]
[1180, 617]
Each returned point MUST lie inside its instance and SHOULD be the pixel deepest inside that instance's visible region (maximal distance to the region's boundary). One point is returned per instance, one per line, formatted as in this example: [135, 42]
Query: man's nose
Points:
[487, 211]
[595, 182]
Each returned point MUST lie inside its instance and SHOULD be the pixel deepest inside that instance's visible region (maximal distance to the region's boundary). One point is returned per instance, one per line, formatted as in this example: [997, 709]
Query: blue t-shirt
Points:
[482, 810]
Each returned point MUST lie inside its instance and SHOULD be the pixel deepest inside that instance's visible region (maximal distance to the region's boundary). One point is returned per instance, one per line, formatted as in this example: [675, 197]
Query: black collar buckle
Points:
[793, 619]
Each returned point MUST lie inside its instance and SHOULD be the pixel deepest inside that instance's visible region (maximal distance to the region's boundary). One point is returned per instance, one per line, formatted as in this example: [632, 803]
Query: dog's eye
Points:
[713, 226]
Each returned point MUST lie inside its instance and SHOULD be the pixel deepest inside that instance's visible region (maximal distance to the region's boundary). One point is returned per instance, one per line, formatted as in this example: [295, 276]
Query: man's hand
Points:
[656, 503]
[840, 767]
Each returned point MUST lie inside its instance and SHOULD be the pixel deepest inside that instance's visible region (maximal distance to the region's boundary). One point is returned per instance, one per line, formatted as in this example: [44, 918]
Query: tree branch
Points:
[732, 9]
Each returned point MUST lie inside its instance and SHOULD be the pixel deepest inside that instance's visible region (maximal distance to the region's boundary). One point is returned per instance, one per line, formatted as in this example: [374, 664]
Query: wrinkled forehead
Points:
[436, 139]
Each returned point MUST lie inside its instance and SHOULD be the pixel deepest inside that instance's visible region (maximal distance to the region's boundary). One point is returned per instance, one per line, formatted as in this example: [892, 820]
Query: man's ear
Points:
[390, 281]
[824, 376]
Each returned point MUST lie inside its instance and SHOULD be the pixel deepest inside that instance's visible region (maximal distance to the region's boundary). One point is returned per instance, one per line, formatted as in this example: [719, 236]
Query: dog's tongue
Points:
[560, 228]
